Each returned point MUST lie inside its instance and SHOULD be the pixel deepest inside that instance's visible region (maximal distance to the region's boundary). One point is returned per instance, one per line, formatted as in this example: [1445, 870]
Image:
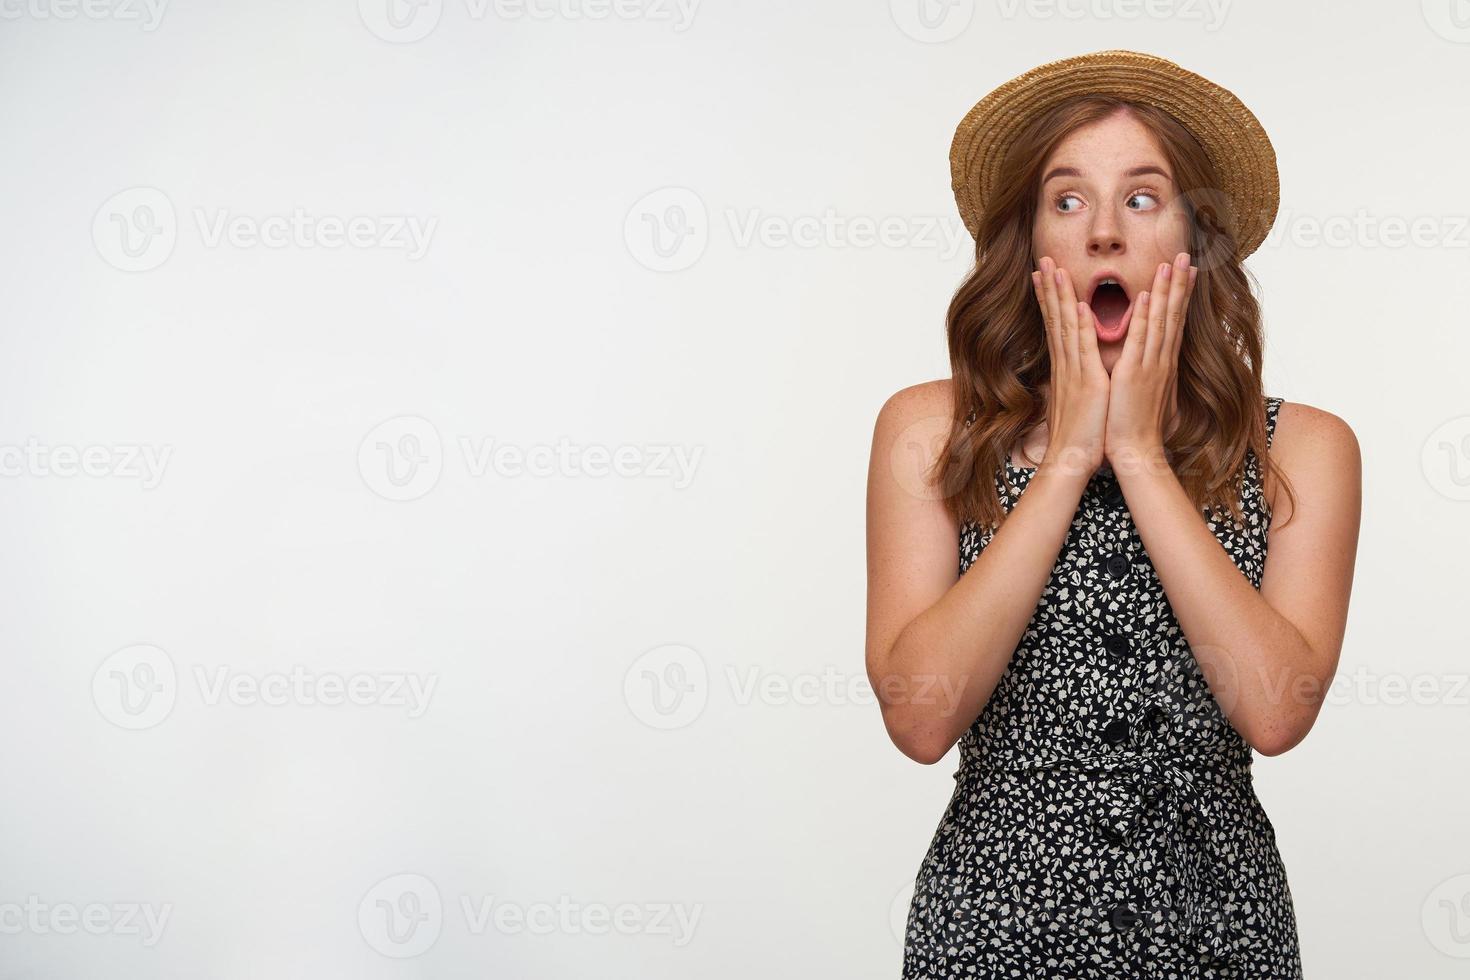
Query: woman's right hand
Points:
[1077, 403]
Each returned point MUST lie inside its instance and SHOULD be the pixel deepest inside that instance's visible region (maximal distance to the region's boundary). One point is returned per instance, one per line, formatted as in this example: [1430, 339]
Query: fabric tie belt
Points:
[1209, 919]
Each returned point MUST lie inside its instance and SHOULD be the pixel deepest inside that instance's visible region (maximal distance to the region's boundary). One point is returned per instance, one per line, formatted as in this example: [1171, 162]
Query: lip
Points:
[1115, 335]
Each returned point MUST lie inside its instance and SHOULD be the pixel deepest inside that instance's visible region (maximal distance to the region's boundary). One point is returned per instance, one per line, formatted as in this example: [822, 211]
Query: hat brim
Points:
[1230, 134]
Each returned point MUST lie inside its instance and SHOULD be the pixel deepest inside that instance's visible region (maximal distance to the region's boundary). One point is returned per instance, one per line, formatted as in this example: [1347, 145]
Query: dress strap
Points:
[1273, 404]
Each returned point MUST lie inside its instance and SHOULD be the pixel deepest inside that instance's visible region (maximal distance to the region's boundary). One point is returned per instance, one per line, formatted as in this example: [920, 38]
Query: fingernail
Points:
[1166, 271]
[1057, 275]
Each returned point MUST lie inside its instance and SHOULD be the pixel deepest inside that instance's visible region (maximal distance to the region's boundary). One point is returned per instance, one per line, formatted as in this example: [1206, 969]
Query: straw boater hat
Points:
[1230, 134]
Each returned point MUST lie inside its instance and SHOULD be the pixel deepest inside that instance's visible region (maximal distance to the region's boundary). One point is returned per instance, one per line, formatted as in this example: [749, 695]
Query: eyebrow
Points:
[1135, 172]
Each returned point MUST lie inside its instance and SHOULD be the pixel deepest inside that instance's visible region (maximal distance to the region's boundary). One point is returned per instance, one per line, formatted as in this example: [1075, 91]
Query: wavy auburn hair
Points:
[997, 339]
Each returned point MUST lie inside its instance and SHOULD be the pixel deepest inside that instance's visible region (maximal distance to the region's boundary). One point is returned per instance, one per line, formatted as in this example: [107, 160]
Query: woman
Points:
[1154, 557]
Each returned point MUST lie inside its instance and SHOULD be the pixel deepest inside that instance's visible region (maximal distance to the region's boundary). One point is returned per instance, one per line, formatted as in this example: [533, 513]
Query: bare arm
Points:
[938, 642]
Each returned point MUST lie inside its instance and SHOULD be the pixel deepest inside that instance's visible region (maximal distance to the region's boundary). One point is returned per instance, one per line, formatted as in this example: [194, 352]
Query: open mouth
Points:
[1109, 302]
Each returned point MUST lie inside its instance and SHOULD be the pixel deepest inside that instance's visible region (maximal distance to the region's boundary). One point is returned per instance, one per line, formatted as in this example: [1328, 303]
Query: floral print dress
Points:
[1104, 823]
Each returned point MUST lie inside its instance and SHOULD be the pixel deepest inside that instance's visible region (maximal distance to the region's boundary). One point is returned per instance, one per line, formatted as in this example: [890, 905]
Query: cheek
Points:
[1170, 231]
[1048, 238]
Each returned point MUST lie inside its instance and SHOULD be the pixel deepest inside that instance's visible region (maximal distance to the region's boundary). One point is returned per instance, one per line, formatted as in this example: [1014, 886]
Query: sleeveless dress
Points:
[1104, 822]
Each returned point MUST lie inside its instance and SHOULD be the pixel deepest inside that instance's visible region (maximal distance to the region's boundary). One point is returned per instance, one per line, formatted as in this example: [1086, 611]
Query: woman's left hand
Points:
[1143, 384]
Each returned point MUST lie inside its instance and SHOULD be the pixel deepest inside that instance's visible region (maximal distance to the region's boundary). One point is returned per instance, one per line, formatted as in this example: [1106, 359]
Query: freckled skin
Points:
[1106, 220]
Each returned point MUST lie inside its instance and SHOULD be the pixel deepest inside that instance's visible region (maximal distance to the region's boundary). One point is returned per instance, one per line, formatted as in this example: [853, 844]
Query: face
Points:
[1108, 209]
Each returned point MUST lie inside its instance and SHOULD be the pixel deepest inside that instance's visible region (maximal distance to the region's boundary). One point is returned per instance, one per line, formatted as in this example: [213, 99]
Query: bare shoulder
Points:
[1319, 453]
[908, 438]
[922, 400]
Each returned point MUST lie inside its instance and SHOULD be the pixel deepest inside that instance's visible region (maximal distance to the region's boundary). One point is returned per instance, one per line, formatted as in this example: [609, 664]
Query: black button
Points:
[1117, 644]
[1112, 495]
[1112, 834]
[1124, 917]
[1117, 565]
[1116, 732]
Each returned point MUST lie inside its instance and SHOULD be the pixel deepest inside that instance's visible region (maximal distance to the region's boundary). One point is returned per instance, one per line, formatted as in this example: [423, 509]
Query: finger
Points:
[1065, 343]
[1174, 313]
[1183, 316]
[1137, 329]
[1154, 322]
[1087, 336]
[1069, 315]
[1049, 310]
[1049, 326]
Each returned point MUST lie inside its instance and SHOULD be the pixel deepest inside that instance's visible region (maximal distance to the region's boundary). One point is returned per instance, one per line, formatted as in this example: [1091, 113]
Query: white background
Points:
[557, 303]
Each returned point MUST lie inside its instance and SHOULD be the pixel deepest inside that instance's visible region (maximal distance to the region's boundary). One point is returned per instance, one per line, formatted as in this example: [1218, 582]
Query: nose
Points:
[1105, 237]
